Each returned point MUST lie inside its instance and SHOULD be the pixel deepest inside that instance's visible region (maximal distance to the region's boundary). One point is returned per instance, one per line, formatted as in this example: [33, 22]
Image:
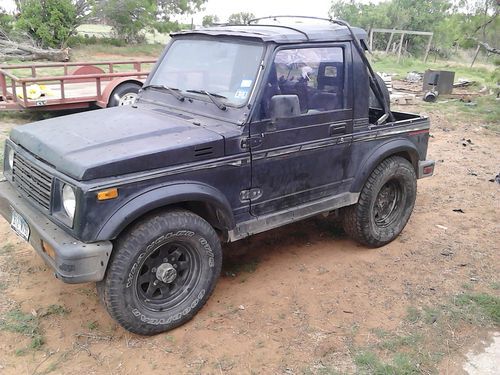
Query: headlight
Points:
[10, 158]
[69, 201]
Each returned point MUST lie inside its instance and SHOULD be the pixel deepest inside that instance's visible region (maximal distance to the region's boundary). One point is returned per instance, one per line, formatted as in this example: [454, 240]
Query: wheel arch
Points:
[201, 199]
[113, 85]
[396, 147]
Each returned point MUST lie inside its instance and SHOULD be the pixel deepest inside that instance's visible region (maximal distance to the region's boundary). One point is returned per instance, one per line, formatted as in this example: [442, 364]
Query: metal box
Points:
[439, 80]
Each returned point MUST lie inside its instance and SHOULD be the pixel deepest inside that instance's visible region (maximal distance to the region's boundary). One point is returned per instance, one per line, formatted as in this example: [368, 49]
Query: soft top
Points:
[282, 33]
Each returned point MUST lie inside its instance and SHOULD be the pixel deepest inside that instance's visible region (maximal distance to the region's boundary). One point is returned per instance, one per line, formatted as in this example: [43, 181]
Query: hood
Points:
[117, 141]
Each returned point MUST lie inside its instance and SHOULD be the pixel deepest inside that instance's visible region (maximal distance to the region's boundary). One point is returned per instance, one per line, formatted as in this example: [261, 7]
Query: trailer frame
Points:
[102, 75]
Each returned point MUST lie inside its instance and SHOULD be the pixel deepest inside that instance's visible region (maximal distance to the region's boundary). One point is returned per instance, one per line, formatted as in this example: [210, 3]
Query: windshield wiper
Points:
[175, 92]
[213, 97]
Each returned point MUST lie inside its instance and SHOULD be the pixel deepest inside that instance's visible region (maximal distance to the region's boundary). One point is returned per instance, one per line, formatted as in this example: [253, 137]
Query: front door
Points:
[301, 156]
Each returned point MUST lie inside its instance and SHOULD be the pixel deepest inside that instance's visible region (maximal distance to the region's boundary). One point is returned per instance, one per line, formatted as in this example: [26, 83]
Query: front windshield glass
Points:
[226, 70]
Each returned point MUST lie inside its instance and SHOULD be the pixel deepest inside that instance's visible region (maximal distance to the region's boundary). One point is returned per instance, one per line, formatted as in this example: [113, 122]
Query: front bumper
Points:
[73, 261]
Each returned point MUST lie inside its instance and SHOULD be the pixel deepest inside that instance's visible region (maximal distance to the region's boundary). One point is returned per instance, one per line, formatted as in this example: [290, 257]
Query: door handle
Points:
[336, 129]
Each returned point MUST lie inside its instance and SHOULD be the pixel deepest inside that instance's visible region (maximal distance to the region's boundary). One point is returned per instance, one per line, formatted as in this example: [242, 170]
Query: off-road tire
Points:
[151, 240]
[122, 90]
[363, 221]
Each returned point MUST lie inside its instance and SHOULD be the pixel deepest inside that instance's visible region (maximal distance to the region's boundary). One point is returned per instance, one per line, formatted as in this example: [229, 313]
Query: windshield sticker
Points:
[246, 83]
[240, 94]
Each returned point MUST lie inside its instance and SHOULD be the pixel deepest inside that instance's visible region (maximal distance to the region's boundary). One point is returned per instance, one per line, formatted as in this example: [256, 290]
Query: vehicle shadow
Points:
[245, 256]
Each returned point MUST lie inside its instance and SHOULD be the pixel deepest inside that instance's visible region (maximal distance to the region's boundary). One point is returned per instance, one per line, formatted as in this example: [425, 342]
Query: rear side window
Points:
[315, 75]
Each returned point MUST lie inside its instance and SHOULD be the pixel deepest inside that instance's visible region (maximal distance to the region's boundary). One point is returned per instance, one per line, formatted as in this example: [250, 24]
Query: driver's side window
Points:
[312, 79]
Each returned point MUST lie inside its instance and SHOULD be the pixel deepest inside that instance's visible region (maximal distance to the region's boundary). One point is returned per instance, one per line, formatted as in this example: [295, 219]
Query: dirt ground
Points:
[303, 299]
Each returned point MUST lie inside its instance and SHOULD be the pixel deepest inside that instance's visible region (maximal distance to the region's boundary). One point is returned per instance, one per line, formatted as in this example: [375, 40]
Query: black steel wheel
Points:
[388, 204]
[385, 203]
[167, 274]
[161, 273]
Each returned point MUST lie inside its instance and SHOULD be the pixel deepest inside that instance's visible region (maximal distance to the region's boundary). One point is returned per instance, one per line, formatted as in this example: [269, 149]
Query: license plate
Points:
[20, 226]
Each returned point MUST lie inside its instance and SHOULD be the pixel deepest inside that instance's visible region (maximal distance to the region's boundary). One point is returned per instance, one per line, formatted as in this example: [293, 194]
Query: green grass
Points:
[107, 31]
[482, 306]
[368, 362]
[485, 110]
[396, 342]
[26, 324]
[54, 310]
[427, 338]
[495, 285]
[481, 75]
[8, 247]
[128, 52]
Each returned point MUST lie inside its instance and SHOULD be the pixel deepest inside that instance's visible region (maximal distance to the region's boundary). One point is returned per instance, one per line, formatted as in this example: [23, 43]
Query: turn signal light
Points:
[107, 194]
[49, 250]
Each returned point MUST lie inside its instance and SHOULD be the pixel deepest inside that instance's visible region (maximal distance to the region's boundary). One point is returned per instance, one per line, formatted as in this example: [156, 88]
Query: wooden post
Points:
[428, 48]
[400, 46]
[371, 39]
[475, 55]
[389, 43]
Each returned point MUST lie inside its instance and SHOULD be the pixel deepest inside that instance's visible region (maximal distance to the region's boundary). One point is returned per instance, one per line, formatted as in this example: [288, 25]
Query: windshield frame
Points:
[224, 39]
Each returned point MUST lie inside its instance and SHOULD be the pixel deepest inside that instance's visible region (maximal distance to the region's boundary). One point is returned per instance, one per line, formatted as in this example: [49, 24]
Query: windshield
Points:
[224, 69]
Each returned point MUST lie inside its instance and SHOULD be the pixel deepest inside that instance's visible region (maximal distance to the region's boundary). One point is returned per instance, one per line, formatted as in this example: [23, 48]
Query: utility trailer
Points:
[74, 85]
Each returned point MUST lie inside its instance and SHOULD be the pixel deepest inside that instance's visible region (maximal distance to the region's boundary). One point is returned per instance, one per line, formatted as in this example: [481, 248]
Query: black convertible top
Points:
[282, 33]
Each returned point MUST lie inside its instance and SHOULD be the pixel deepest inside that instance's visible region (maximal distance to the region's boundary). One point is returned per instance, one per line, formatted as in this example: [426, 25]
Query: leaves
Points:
[51, 22]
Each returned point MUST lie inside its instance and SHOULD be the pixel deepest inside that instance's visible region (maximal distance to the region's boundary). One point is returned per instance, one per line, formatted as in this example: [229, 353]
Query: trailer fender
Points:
[112, 85]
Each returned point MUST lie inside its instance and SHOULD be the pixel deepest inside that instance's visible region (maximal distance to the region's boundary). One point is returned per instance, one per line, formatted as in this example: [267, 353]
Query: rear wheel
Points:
[124, 94]
[385, 203]
[162, 272]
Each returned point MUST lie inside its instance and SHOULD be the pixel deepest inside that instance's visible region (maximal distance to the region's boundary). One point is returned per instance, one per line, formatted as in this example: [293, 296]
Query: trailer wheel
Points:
[161, 272]
[385, 203]
[124, 94]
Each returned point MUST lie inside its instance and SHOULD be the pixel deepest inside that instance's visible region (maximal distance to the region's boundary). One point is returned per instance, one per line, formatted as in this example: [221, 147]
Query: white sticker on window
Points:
[240, 94]
[246, 83]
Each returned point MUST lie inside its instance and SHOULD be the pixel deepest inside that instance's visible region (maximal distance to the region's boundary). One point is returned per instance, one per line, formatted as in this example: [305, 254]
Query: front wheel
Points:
[162, 272]
[385, 203]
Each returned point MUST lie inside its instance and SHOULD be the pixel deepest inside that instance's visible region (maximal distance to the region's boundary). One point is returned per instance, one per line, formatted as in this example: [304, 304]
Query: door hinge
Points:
[250, 194]
[251, 142]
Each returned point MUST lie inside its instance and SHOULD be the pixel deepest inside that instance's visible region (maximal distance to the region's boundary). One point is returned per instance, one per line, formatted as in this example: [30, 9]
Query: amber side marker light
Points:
[49, 250]
[107, 194]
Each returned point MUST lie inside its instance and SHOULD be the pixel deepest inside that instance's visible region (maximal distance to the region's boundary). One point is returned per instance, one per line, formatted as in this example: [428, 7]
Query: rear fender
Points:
[400, 146]
[182, 193]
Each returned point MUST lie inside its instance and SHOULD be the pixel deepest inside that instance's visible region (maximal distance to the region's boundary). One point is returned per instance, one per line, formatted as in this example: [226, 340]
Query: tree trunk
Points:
[10, 50]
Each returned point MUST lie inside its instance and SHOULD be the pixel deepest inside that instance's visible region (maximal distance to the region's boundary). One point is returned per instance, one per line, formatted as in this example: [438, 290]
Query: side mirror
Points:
[284, 106]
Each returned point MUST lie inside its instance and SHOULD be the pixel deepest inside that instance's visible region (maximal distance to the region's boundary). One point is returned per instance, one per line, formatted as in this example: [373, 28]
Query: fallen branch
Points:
[488, 48]
[10, 50]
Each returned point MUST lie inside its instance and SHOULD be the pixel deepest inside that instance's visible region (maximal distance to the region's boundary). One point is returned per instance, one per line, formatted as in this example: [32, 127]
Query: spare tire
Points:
[374, 103]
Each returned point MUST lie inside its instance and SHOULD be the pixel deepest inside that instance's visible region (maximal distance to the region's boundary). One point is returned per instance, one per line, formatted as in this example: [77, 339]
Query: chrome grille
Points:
[34, 182]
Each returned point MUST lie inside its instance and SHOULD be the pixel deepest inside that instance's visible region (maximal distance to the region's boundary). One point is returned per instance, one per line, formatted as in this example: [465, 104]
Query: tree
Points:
[240, 18]
[210, 20]
[367, 16]
[129, 17]
[51, 22]
[6, 21]
[166, 8]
